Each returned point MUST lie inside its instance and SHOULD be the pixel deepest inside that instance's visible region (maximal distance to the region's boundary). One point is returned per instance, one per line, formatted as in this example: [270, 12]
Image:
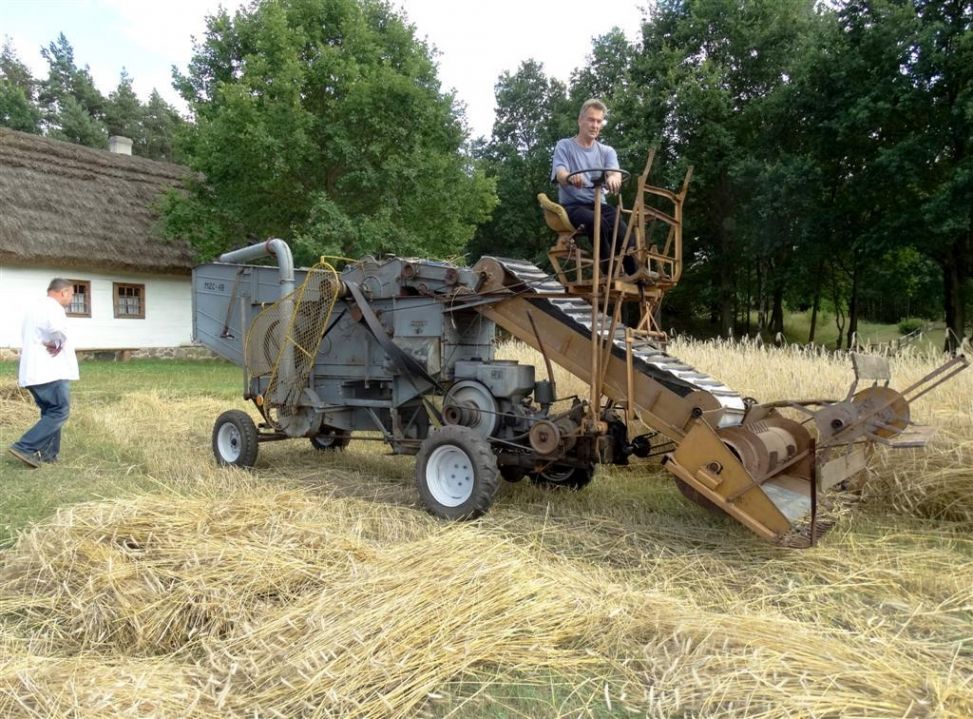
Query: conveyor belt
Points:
[648, 357]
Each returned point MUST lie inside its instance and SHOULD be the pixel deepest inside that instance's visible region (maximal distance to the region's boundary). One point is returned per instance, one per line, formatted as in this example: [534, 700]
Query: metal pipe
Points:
[272, 247]
[285, 272]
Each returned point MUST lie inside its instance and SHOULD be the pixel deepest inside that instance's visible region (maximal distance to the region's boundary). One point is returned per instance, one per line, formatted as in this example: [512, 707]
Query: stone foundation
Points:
[187, 352]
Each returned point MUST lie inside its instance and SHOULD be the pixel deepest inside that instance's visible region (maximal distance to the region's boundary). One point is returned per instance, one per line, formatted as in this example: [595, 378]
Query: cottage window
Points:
[81, 302]
[129, 301]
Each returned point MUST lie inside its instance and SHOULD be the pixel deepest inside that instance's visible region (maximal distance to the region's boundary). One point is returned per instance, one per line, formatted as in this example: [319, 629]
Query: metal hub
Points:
[450, 475]
[470, 404]
[228, 442]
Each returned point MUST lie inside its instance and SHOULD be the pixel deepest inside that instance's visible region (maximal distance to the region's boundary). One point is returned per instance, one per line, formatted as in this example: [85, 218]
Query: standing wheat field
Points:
[137, 579]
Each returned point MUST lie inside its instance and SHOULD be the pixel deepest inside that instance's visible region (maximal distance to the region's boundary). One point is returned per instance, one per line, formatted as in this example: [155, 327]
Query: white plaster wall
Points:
[168, 308]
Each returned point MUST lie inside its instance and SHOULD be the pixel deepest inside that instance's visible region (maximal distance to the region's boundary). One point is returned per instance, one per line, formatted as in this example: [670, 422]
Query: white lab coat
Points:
[46, 321]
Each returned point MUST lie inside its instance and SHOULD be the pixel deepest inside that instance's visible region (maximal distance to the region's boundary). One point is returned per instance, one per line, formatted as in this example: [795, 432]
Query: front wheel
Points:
[235, 439]
[456, 473]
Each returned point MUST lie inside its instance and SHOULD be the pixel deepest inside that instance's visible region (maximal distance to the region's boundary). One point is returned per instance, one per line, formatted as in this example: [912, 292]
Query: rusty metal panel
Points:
[871, 367]
[841, 468]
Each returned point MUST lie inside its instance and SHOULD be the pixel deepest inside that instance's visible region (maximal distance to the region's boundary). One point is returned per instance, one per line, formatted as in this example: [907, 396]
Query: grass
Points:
[94, 464]
[140, 580]
[872, 335]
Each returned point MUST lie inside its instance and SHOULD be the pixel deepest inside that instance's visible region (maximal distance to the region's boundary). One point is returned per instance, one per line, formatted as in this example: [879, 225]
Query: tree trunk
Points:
[761, 318]
[749, 301]
[839, 318]
[727, 260]
[853, 342]
[777, 311]
[953, 278]
[726, 304]
[815, 303]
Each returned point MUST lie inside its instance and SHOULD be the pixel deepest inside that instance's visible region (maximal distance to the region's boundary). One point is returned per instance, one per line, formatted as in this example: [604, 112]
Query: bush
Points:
[910, 324]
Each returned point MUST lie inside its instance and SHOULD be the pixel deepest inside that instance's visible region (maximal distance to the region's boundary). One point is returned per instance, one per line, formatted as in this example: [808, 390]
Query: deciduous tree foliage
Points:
[831, 145]
[323, 122]
[532, 114]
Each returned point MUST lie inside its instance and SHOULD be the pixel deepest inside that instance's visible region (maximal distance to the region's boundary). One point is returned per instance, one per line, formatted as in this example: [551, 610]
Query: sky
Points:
[477, 40]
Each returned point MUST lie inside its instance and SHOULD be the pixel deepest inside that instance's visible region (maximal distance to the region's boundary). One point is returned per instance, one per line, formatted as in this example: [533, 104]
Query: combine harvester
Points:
[403, 349]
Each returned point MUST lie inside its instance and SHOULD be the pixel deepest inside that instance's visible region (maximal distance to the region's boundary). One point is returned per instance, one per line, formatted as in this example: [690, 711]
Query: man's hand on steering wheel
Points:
[611, 177]
[613, 181]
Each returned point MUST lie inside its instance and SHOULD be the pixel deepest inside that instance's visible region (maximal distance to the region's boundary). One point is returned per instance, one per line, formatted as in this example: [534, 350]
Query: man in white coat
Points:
[47, 364]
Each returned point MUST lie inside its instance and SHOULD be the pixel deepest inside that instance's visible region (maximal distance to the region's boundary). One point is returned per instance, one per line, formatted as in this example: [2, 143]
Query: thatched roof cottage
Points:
[91, 216]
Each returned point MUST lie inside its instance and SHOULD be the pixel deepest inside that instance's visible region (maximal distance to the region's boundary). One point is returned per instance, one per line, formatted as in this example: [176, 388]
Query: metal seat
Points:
[555, 215]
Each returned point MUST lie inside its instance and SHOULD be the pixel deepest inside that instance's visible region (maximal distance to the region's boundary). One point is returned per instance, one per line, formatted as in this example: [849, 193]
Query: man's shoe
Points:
[31, 460]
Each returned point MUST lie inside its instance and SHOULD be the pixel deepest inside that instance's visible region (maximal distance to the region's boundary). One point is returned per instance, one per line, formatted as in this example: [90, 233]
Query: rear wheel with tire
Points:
[235, 439]
[564, 476]
[512, 473]
[456, 473]
[330, 439]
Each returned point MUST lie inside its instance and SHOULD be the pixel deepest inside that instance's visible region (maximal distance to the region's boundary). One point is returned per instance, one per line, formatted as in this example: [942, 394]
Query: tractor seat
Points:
[555, 215]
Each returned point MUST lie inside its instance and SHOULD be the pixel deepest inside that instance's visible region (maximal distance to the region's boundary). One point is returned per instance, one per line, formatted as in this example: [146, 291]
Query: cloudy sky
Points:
[477, 39]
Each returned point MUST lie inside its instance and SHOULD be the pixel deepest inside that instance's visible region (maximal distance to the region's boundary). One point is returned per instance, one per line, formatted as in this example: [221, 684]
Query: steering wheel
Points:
[601, 178]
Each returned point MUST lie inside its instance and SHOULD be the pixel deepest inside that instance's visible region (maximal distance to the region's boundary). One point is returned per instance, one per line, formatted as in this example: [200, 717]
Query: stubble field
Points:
[137, 579]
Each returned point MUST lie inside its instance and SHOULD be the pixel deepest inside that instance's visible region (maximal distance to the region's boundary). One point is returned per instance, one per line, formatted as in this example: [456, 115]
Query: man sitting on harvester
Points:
[579, 163]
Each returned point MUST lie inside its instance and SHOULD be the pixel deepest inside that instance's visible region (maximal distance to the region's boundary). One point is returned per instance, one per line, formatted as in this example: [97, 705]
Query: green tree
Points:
[887, 97]
[73, 107]
[932, 165]
[712, 67]
[323, 122]
[18, 109]
[124, 113]
[160, 124]
[532, 114]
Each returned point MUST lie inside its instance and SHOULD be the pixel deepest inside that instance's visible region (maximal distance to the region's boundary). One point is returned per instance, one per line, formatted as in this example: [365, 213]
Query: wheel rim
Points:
[229, 442]
[449, 475]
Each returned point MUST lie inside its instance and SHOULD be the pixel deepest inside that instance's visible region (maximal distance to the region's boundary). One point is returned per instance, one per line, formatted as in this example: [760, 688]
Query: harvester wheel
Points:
[235, 439]
[512, 473]
[330, 440]
[564, 476]
[456, 473]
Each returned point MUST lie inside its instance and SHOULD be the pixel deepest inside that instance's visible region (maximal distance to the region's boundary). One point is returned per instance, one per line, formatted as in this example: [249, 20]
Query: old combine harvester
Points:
[404, 349]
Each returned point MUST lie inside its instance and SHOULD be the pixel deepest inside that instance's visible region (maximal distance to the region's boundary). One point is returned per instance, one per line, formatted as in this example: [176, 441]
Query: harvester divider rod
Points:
[950, 369]
[800, 404]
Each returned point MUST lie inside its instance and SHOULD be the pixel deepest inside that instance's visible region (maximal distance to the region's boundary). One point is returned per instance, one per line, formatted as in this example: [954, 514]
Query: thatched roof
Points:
[70, 205]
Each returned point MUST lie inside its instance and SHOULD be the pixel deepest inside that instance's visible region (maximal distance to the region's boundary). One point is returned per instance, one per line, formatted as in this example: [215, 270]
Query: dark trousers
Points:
[585, 215]
[44, 438]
